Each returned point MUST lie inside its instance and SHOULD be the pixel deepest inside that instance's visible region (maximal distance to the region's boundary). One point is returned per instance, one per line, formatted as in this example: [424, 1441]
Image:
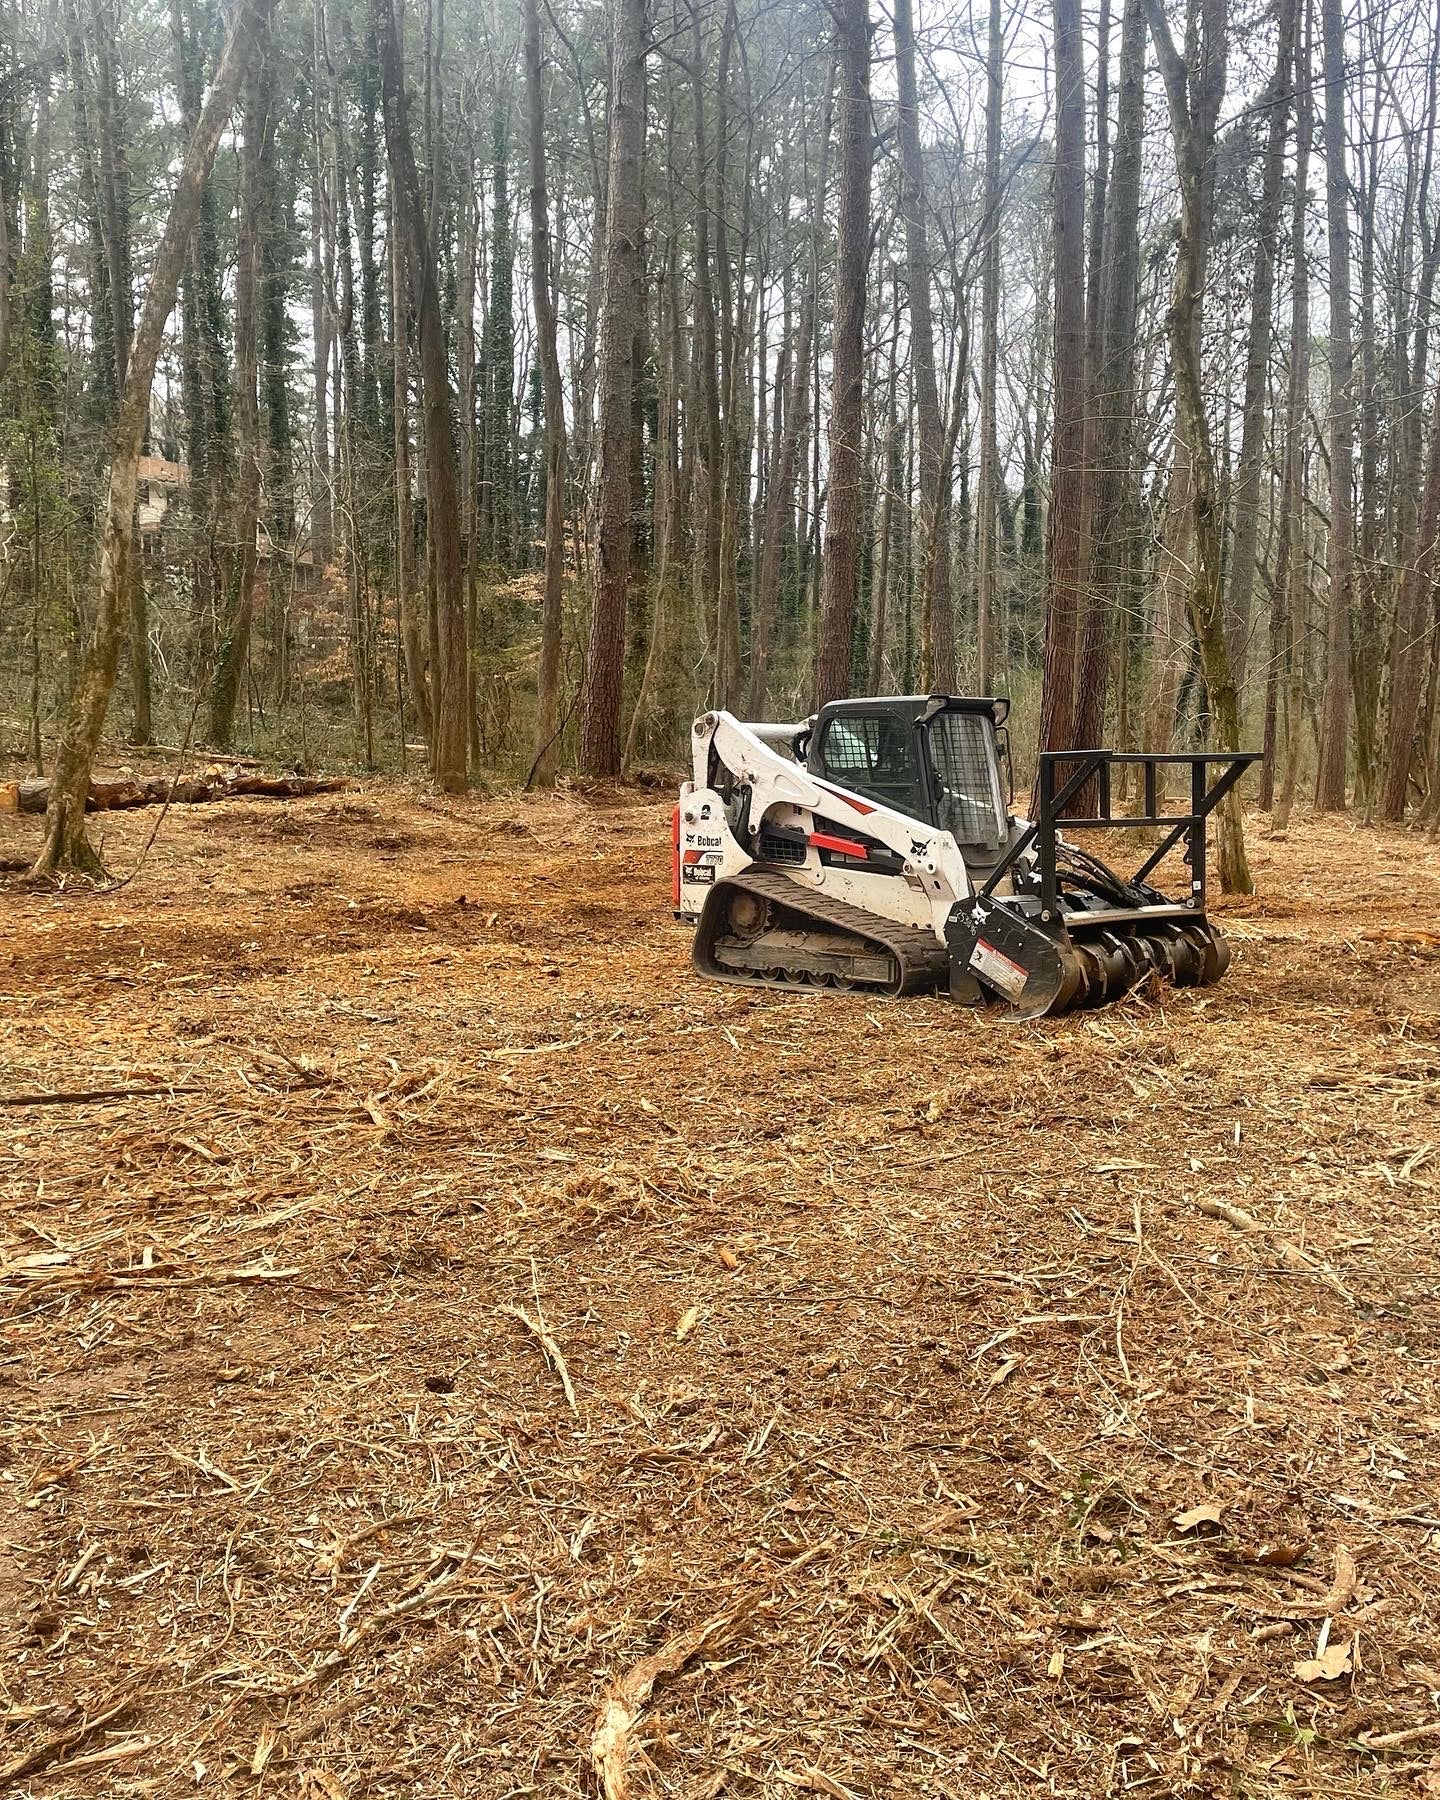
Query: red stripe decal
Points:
[841, 846]
[849, 799]
[693, 856]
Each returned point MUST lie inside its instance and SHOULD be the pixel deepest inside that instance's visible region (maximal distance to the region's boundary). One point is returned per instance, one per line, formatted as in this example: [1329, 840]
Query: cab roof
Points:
[919, 706]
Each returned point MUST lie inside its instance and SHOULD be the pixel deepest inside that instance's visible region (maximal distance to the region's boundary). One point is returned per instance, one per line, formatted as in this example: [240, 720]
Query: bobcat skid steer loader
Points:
[873, 847]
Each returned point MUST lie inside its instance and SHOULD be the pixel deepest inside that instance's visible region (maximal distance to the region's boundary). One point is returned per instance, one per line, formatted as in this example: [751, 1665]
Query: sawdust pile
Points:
[447, 1350]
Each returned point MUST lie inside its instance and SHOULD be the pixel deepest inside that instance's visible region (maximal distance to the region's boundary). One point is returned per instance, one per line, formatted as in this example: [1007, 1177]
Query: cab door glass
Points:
[874, 755]
[968, 799]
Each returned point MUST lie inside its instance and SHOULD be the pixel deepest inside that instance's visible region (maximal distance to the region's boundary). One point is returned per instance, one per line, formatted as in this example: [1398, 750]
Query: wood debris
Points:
[315, 1420]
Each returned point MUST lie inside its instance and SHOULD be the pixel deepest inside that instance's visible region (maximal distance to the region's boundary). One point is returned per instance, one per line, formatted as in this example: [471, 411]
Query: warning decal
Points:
[993, 966]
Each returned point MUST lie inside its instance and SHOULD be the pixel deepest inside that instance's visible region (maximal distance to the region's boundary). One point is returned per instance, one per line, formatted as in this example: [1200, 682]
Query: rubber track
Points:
[924, 963]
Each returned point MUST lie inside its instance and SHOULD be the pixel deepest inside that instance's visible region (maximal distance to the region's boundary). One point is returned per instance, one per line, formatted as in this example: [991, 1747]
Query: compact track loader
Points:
[873, 847]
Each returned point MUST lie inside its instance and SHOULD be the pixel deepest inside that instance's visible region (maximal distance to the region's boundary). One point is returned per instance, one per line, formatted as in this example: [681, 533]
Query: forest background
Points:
[486, 389]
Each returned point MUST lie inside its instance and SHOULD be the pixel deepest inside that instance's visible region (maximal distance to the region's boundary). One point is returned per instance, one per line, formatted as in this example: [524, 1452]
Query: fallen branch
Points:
[118, 796]
[1290, 1254]
[53, 1748]
[621, 1708]
[1339, 1595]
[1393, 1740]
[549, 1346]
[81, 1096]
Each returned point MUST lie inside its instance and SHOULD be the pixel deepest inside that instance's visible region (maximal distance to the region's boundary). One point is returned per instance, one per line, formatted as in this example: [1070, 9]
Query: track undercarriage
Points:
[761, 929]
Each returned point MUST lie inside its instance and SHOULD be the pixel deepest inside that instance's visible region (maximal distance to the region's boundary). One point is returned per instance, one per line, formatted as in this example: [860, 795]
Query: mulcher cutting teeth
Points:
[1039, 971]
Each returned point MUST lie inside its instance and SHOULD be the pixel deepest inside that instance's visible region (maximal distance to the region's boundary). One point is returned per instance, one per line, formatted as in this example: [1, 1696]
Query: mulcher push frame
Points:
[1205, 796]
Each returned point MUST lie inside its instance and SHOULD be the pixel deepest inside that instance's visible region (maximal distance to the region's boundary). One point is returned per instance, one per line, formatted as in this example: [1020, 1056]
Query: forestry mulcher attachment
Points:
[873, 847]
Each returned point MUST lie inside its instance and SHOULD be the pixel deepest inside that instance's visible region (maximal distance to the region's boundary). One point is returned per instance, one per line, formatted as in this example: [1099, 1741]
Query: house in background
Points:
[157, 481]
[160, 486]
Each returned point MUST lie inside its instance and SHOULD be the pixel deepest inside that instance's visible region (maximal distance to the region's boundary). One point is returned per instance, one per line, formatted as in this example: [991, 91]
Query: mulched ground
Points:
[470, 1334]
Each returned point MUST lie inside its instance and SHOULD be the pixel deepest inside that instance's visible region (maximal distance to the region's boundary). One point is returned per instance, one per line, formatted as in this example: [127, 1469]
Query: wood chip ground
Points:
[446, 1349]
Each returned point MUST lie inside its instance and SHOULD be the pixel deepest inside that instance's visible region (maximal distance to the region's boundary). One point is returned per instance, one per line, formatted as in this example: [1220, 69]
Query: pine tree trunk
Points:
[787, 454]
[443, 509]
[1065, 559]
[1113, 392]
[411, 641]
[547, 712]
[66, 845]
[605, 667]
[321, 548]
[937, 606]
[988, 501]
[1335, 706]
[250, 252]
[841, 573]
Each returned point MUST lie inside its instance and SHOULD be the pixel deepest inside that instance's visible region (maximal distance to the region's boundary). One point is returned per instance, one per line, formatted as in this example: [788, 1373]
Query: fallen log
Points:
[156, 790]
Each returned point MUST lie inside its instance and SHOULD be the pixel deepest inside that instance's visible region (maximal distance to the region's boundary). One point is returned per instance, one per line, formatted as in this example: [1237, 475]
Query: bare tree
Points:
[841, 572]
[1291, 584]
[1193, 94]
[1113, 398]
[1250, 467]
[605, 668]
[66, 845]
[547, 713]
[1335, 705]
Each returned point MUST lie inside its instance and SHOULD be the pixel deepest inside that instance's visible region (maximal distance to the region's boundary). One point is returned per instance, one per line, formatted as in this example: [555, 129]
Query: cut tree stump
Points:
[155, 790]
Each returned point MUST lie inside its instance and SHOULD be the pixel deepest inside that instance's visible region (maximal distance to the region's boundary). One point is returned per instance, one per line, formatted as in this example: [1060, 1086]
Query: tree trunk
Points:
[841, 574]
[353, 436]
[321, 548]
[788, 449]
[888, 461]
[1113, 394]
[4, 286]
[112, 181]
[66, 845]
[937, 606]
[1292, 501]
[1194, 99]
[1335, 706]
[1417, 586]
[1250, 469]
[250, 251]
[412, 642]
[985, 547]
[547, 713]
[442, 509]
[605, 669]
[1065, 559]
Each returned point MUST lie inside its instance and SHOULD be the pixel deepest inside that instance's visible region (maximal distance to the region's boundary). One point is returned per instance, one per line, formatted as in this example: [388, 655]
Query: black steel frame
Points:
[1095, 765]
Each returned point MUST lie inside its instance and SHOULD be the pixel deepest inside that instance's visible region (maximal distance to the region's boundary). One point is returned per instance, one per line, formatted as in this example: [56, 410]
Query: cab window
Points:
[875, 755]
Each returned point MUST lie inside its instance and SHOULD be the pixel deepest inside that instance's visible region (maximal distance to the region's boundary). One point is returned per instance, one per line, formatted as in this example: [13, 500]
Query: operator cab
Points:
[933, 756]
